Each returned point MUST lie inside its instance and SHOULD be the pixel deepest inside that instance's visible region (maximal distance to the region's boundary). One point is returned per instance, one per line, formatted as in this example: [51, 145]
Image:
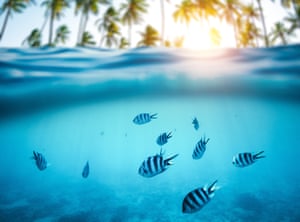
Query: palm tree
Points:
[106, 22]
[248, 25]
[229, 11]
[54, 10]
[86, 7]
[87, 40]
[184, 12]
[290, 3]
[206, 8]
[279, 31]
[123, 43]
[178, 43]
[294, 20]
[248, 34]
[215, 36]
[149, 37]
[34, 39]
[132, 13]
[167, 43]
[10, 7]
[262, 17]
[111, 35]
[62, 34]
[162, 11]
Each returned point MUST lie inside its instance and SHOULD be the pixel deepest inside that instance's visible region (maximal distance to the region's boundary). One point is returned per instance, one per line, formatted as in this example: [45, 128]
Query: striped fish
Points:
[200, 148]
[163, 138]
[40, 161]
[195, 123]
[143, 118]
[246, 159]
[198, 198]
[154, 165]
[86, 170]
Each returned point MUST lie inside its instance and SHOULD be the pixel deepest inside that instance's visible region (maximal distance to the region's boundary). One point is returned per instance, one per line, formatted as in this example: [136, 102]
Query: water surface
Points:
[75, 105]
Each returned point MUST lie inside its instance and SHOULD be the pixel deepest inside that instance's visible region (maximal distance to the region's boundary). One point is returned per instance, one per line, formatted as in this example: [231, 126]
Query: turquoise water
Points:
[77, 105]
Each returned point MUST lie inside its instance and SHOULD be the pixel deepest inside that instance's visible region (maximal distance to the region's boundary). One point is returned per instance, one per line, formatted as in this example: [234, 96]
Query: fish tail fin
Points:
[257, 156]
[34, 155]
[212, 188]
[168, 160]
[207, 140]
[153, 116]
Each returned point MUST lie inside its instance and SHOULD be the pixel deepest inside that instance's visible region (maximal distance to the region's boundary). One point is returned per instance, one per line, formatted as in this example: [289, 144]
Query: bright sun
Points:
[198, 36]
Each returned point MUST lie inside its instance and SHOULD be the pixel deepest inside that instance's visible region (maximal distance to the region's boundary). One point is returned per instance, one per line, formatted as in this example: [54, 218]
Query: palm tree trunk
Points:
[44, 25]
[80, 32]
[235, 31]
[263, 23]
[255, 37]
[51, 27]
[162, 8]
[84, 24]
[283, 40]
[101, 41]
[129, 34]
[295, 6]
[5, 23]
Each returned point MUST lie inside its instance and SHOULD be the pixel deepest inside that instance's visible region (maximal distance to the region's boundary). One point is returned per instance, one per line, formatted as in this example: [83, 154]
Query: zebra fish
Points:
[154, 165]
[163, 138]
[40, 161]
[246, 159]
[198, 198]
[200, 148]
[195, 123]
[143, 118]
[86, 170]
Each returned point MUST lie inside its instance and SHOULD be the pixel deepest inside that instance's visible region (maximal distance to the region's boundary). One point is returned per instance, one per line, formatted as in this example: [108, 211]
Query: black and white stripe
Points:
[198, 198]
[200, 148]
[246, 159]
[154, 165]
[143, 118]
[163, 138]
[86, 170]
[40, 161]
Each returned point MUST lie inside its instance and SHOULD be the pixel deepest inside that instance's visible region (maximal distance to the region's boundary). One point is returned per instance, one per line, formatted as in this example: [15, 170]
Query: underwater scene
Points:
[150, 134]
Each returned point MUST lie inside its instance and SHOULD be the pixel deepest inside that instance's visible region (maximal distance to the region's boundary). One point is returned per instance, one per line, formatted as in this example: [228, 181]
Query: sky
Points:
[20, 25]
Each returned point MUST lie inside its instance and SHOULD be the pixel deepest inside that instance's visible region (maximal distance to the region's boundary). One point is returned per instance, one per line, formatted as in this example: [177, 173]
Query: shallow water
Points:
[74, 105]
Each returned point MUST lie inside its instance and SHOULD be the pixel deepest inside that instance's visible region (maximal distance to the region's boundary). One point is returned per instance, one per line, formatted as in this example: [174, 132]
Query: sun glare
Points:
[198, 37]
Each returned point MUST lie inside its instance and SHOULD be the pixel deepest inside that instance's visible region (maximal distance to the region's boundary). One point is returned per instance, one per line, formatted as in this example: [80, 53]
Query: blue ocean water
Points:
[77, 105]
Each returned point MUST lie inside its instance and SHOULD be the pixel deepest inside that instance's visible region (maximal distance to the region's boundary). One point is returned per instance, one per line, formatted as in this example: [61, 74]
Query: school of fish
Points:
[156, 164]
